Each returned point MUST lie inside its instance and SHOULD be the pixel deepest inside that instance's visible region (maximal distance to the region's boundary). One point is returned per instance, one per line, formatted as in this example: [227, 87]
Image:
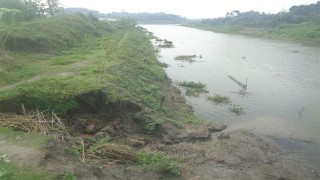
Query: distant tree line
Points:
[25, 10]
[149, 17]
[84, 11]
[295, 15]
[139, 17]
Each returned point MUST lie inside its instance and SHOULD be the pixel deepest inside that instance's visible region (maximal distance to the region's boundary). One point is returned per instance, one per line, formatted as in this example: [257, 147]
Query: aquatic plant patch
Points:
[218, 99]
[237, 110]
[186, 58]
[193, 89]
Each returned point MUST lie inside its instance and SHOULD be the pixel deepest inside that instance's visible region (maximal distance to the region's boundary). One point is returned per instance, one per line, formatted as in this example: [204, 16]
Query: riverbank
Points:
[306, 33]
[103, 100]
[117, 116]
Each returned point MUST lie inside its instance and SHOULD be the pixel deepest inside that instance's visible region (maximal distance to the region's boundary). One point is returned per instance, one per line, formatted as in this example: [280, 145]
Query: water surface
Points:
[283, 78]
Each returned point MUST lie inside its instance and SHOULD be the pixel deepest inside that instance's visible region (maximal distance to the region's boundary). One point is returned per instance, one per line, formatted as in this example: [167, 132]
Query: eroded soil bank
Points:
[199, 147]
[204, 153]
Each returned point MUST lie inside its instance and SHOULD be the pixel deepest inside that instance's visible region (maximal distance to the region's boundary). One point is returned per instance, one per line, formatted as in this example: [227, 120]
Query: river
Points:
[282, 99]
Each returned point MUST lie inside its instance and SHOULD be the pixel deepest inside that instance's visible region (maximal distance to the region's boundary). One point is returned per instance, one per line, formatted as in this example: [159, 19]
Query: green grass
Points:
[158, 162]
[128, 71]
[5, 171]
[69, 176]
[147, 123]
[27, 173]
[11, 169]
[301, 32]
[116, 59]
[23, 139]
[47, 35]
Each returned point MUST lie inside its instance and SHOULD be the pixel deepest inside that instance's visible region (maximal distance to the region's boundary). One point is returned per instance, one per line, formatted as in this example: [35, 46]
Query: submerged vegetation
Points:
[237, 110]
[163, 43]
[186, 58]
[193, 89]
[218, 99]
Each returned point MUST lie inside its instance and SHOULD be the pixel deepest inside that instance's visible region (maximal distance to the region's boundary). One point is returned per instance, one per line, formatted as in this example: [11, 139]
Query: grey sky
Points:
[187, 8]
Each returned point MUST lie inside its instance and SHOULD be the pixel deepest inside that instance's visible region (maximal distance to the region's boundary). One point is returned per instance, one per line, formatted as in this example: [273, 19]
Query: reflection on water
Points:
[282, 78]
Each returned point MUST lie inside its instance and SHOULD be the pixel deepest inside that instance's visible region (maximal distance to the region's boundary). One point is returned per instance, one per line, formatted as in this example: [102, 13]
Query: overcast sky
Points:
[186, 8]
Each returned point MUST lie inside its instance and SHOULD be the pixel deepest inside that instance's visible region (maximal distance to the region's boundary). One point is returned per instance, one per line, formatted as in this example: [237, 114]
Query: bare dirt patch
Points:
[241, 155]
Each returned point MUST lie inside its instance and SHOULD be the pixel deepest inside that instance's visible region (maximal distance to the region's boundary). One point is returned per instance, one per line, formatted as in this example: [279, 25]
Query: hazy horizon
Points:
[194, 9]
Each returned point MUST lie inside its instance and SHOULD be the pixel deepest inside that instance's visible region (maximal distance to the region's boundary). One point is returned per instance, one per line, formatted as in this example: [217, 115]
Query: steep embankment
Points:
[99, 89]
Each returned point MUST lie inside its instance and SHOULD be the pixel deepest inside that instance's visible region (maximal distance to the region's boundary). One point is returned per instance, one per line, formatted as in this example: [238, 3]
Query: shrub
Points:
[9, 16]
[159, 163]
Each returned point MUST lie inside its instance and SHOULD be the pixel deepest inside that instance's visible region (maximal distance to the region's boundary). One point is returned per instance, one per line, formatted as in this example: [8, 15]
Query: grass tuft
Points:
[158, 162]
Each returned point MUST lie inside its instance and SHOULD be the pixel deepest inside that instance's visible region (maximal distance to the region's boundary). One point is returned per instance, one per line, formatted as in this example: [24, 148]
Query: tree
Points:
[33, 9]
[11, 4]
[8, 16]
[54, 7]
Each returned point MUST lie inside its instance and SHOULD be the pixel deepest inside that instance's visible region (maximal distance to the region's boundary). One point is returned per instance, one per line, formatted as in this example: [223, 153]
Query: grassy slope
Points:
[46, 37]
[119, 60]
[128, 70]
[304, 32]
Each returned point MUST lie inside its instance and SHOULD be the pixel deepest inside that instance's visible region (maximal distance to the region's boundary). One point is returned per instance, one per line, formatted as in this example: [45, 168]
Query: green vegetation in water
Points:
[164, 65]
[218, 99]
[158, 162]
[159, 40]
[193, 89]
[237, 110]
[186, 58]
[165, 45]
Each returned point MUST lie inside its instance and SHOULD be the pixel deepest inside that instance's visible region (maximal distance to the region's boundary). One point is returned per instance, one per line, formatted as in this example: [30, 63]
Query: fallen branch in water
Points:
[301, 111]
[244, 86]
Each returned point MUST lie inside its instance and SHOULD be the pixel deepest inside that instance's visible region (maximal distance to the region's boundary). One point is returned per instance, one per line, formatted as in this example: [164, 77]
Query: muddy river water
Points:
[282, 99]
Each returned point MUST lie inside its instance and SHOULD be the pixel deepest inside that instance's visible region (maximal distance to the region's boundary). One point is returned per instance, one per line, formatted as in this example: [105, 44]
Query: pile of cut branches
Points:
[36, 122]
[110, 153]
